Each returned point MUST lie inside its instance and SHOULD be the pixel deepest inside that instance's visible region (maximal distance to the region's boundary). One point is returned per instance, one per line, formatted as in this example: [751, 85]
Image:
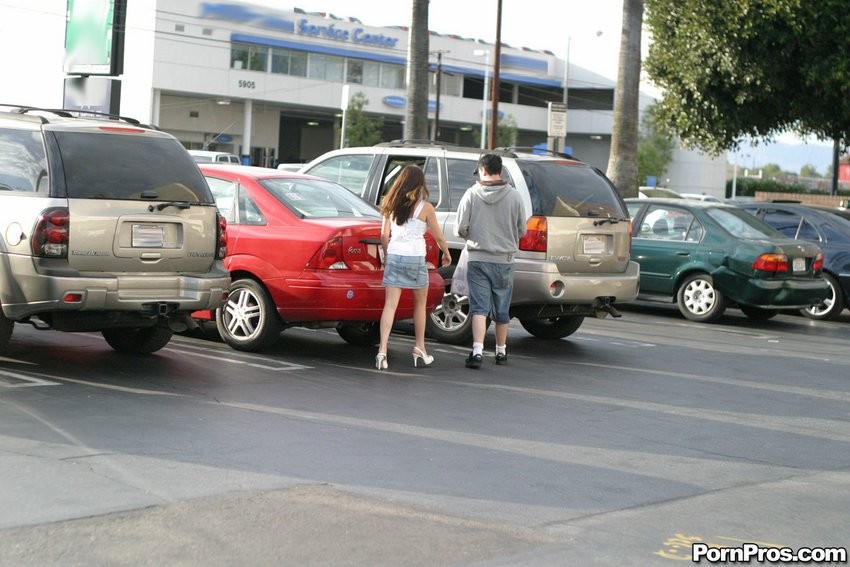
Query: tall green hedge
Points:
[747, 187]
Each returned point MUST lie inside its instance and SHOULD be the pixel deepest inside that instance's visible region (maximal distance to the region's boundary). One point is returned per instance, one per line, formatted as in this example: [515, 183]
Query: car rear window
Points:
[561, 189]
[130, 167]
[742, 225]
[311, 199]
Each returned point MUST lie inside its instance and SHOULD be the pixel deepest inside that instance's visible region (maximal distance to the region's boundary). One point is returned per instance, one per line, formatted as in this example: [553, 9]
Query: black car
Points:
[829, 231]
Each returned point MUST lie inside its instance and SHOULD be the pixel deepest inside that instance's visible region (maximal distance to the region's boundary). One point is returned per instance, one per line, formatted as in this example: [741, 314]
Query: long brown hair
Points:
[408, 188]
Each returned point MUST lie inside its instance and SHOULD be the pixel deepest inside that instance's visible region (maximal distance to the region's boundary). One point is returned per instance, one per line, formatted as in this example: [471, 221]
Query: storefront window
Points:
[280, 61]
[298, 63]
[392, 76]
[371, 73]
[251, 57]
[355, 71]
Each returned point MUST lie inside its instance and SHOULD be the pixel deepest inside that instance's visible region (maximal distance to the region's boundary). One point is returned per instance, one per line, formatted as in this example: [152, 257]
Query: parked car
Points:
[573, 262]
[107, 226]
[660, 192]
[701, 197]
[705, 256]
[830, 232]
[842, 212]
[205, 156]
[303, 252]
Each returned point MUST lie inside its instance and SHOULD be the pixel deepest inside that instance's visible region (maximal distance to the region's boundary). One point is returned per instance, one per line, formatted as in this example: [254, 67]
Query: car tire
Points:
[832, 306]
[698, 299]
[248, 320]
[144, 340]
[360, 334]
[6, 327]
[450, 322]
[553, 328]
[758, 313]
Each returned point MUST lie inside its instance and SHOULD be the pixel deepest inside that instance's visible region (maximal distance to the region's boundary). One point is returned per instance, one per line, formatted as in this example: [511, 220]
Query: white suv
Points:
[573, 262]
[105, 225]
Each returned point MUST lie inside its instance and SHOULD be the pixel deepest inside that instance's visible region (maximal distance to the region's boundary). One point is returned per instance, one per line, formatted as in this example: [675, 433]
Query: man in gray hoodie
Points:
[492, 219]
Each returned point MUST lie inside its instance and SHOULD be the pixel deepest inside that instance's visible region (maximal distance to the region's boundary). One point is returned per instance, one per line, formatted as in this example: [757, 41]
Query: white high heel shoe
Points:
[418, 355]
[381, 361]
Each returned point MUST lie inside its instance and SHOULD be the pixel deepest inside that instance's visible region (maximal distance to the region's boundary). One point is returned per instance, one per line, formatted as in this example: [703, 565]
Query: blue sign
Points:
[400, 102]
[224, 138]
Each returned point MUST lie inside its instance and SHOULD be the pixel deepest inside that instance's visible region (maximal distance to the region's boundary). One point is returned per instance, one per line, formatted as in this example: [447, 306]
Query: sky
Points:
[587, 32]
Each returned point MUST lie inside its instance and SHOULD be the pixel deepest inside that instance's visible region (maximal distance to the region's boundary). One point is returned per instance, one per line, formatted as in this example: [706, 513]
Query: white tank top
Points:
[408, 239]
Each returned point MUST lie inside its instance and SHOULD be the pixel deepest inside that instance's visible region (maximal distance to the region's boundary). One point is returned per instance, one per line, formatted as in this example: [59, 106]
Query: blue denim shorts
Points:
[491, 287]
[408, 272]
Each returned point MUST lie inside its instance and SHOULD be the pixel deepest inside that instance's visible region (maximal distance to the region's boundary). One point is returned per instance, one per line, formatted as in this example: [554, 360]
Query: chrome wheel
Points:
[699, 300]
[450, 322]
[831, 307]
[248, 319]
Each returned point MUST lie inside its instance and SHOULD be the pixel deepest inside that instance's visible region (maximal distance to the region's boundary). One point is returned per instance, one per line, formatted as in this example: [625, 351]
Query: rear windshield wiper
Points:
[178, 204]
[612, 220]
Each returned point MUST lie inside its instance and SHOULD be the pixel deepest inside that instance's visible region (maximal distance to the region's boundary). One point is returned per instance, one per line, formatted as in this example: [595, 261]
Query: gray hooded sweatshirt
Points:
[491, 218]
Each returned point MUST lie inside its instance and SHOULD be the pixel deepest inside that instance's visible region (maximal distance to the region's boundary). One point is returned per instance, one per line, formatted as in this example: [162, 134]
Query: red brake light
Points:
[817, 265]
[777, 263]
[50, 237]
[536, 235]
[329, 256]
[221, 237]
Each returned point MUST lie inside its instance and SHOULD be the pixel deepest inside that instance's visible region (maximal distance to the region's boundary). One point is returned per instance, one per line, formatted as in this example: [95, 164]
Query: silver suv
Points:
[105, 225]
[573, 262]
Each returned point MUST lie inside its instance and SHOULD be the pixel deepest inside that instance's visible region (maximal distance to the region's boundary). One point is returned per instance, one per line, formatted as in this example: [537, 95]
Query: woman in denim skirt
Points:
[407, 215]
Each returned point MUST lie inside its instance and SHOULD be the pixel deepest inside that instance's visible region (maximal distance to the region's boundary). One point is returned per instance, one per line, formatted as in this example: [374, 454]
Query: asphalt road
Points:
[621, 445]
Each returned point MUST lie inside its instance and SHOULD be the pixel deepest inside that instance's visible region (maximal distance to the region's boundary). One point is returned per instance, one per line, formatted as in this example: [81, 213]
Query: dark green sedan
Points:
[706, 256]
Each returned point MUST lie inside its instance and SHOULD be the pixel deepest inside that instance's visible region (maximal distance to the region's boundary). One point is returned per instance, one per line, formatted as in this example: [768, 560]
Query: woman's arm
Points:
[437, 232]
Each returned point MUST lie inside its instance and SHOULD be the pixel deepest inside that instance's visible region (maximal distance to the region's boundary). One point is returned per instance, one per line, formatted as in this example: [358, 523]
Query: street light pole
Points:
[486, 97]
[436, 130]
[497, 55]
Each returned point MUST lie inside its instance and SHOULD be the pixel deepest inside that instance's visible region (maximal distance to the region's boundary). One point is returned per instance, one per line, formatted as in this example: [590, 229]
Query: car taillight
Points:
[817, 265]
[50, 237]
[432, 252]
[536, 235]
[329, 256]
[777, 263]
[221, 237]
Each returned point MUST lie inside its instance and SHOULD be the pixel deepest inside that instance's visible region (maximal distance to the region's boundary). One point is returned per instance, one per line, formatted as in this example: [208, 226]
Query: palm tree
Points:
[622, 163]
[416, 115]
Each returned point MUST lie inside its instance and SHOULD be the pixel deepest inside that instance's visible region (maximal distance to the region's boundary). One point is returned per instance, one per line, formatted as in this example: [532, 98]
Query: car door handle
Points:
[683, 253]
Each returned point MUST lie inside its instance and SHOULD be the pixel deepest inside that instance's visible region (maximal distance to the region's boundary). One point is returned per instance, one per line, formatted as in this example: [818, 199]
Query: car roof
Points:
[679, 202]
[254, 171]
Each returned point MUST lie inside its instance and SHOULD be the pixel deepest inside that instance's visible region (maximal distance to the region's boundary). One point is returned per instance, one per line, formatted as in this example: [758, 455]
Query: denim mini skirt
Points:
[408, 272]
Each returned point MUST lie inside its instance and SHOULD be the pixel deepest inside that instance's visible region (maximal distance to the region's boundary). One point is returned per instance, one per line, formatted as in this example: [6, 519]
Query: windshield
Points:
[564, 189]
[129, 166]
[315, 198]
[742, 224]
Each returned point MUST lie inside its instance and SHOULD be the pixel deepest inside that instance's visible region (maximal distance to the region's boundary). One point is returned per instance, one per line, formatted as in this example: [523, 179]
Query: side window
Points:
[350, 171]
[668, 223]
[224, 193]
[23, 163]
[461, 174]
[808, 232]
[785, 222]
[394, 166]
[249, 213]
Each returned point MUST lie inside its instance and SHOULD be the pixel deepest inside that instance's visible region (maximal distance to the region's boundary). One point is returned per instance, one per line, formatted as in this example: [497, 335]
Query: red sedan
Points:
[301, 251]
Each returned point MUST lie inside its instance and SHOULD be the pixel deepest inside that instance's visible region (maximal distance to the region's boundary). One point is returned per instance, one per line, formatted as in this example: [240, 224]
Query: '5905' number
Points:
[247, 84]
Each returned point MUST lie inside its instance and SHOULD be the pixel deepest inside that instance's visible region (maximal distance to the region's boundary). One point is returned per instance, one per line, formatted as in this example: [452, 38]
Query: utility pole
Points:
[435, 132]
[494, 113]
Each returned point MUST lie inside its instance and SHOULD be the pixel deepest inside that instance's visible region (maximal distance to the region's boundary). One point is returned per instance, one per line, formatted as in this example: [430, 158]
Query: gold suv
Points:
[105, 225]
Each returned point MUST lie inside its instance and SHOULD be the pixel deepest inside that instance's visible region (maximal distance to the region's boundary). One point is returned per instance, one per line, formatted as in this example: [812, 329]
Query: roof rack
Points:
[413, 142]
[73, 113]
[533, 150]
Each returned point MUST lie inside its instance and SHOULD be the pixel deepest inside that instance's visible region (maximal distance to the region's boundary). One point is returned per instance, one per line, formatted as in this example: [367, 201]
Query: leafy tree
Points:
[809, 170]
[361, 130]
[655, 148]
[770, 171]
[731, 69]
[506, 133]
[622, 162]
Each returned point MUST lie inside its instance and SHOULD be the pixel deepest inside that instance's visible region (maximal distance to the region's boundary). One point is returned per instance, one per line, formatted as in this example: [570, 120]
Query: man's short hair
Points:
[491, 163]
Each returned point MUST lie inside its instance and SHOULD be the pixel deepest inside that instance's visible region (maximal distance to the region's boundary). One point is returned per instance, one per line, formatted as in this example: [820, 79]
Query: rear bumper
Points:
[36, 293]
[540, 283]
[342, 296]
[771, 294]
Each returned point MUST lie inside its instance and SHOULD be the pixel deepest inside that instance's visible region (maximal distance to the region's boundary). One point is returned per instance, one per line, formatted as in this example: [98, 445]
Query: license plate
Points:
[147, 236]
[594, 244]
[799, 264]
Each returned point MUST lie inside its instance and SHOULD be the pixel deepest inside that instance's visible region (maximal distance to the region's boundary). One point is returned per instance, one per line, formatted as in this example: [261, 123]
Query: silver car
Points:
[105, 225]
[574, 262]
